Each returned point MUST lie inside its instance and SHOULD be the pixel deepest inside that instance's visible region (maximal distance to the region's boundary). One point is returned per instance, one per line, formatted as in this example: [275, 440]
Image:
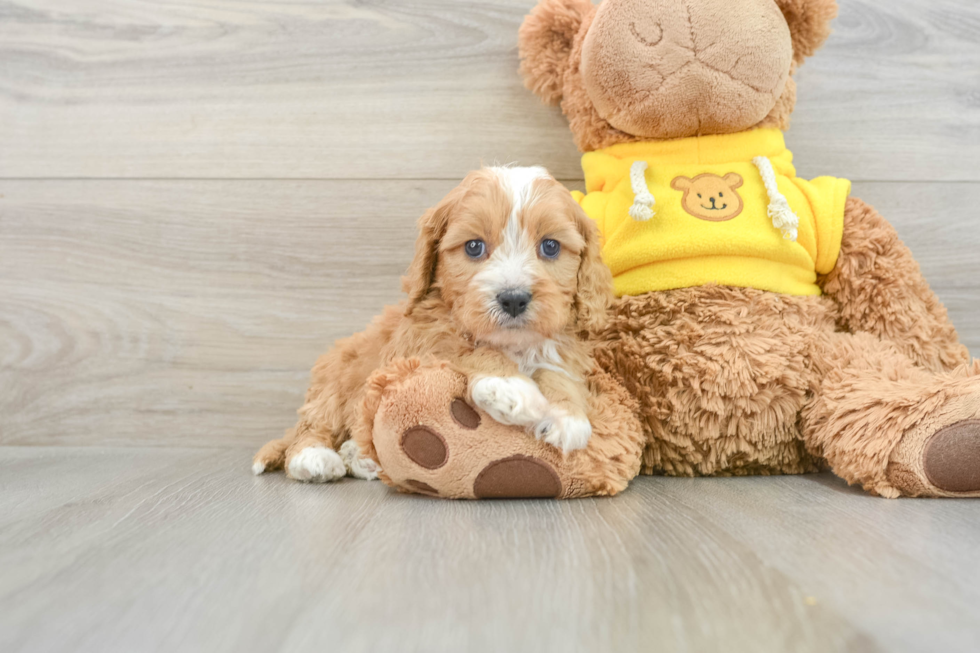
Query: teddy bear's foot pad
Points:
[952, 457]
[425, 447]
[420, 487]
[513, 477]
[429, 439]
[517, 477]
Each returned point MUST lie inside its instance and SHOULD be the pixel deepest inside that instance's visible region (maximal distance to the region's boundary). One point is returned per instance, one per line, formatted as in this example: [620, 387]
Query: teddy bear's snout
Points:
[676, 70]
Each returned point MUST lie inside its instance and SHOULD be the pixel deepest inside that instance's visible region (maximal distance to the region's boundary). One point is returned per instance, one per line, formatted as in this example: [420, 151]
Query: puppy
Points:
[506, 281]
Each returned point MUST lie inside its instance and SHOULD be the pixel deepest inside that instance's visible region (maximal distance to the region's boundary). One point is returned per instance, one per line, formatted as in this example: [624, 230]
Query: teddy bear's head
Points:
[633, 70]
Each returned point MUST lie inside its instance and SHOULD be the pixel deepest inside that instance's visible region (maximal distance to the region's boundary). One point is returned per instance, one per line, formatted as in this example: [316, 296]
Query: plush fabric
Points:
[552, 43]
[735, 381]
[842, 358]
[683, 246]
[416, 409]
[668, 69]
[868, 379]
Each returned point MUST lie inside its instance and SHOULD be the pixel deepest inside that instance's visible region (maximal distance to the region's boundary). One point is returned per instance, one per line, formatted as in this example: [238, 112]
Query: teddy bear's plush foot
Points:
[429, 440]
[941, 456]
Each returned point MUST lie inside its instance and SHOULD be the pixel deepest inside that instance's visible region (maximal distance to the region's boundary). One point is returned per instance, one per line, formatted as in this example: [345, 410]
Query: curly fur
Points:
[739, 381]
[735, 381]
[809, 24]
[879, 289]
[545, 43]
[451, 316]
[721, 375]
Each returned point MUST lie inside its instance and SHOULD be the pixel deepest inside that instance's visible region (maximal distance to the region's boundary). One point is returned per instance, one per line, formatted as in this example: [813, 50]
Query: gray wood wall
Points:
[196, 199]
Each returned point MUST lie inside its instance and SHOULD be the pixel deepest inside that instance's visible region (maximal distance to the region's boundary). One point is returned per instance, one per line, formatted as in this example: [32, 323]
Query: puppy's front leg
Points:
[566, 424]
[497, 386]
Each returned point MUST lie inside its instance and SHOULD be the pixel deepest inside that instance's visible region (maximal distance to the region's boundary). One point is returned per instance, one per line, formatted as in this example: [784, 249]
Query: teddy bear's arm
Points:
[880, 290]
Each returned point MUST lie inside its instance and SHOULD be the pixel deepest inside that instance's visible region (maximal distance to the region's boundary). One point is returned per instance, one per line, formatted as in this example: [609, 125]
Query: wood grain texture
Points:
[153, 332]
[411, 89]
[190, 312]
[176, 549]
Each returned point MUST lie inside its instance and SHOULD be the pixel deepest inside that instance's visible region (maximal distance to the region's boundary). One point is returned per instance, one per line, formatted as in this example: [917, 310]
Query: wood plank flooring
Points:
[196, 198]
[180, 549]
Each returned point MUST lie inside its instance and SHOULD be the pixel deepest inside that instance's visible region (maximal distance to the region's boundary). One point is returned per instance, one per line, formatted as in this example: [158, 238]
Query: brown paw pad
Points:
[952, 457]
[517, 477]
[421, 488]
[425, 447]
[464, 414]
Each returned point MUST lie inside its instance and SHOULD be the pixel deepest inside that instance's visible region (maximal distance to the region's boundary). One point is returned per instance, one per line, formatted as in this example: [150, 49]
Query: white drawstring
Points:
[782, 215]
[642, 209]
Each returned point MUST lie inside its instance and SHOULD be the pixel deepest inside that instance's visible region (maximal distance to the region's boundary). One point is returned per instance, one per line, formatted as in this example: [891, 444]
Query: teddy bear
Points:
[765, 324]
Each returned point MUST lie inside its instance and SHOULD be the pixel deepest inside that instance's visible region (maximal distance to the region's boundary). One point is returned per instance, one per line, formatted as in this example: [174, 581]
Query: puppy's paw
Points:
[358, 466]
[563, 430]
[316, 465]
[510, 399]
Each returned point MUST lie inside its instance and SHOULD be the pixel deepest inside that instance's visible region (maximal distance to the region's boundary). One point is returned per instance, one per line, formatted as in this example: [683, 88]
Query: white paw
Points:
[317, 465]
[510, 399]
[363, 468]
[258, 468]
[565, 431]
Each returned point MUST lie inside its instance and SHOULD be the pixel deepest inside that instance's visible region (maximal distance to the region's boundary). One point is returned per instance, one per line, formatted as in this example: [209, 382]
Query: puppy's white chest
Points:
[541, 357]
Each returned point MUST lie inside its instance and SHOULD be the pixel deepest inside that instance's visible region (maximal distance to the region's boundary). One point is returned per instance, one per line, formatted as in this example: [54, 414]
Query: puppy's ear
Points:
[595, 283]
[545, 44]
[432, 226]
[809, 24]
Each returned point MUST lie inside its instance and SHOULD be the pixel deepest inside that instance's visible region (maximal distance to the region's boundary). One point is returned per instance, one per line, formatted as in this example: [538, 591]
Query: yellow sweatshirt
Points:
[723, 209]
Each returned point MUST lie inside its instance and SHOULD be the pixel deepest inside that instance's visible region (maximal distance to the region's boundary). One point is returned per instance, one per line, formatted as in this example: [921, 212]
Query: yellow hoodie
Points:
[723, 209]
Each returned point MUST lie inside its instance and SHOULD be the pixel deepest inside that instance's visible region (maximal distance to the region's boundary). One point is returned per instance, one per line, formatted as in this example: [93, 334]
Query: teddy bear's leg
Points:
[880, 290]
[897, 429]
[428, 439]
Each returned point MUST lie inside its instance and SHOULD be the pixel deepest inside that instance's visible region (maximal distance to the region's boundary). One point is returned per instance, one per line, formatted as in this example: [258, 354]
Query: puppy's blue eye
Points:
[550, 248]
[476, 248]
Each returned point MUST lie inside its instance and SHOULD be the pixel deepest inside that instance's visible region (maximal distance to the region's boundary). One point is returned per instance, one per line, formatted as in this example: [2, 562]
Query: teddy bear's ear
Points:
[734, 180]
[681, 183]
[809, 24]
[545, 44]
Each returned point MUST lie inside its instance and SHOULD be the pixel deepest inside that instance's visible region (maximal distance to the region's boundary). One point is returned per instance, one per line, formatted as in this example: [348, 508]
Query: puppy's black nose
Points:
[514, 302]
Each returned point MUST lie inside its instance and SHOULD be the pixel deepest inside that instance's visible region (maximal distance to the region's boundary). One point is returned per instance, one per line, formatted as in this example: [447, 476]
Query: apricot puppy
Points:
[507, 277]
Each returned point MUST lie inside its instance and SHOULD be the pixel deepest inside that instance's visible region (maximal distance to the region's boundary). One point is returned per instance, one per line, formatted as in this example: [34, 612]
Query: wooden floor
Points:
[196, 198]
[147, 549]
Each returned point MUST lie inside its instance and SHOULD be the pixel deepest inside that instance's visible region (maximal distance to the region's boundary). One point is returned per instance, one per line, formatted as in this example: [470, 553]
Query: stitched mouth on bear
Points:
[647, 42]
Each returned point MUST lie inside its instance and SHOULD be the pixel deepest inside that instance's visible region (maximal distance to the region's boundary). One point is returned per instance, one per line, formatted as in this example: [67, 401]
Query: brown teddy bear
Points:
[766, 324]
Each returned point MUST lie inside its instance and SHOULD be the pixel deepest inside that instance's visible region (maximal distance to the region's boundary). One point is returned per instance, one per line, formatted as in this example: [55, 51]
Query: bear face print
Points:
[710, 197]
